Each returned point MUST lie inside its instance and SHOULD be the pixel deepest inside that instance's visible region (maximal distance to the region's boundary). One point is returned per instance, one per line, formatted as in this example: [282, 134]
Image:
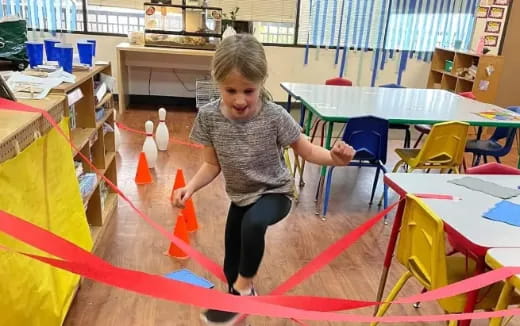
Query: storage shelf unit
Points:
[91, 137]
[485, 86]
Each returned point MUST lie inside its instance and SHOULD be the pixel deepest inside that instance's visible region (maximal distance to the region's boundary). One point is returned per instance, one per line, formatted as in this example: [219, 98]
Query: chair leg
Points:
[503, 302]
[374, 186]
[497, 159]
[397, 166]
[315, 129]
[385, 202]
[479, 133]
[485, 159]
[302, 114]
[322, 133]
[453, 323]
[407, 138]
[395, 291]
[418, 140]
[327, 192]
[477, 160]
[298, 166]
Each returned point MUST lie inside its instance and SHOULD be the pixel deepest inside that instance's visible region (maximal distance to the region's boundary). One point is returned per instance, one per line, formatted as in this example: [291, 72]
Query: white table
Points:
[398, 105]
[504, 257]
[158, 57]
[462, 218]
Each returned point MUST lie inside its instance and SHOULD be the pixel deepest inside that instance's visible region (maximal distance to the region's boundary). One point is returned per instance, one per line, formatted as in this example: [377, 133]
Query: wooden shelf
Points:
[81, 77]
[449, 80]
[108, 210]
[99, 123]
[87, 199]
[104, 100]
[109, 157]
[101, 150]
[80, 137]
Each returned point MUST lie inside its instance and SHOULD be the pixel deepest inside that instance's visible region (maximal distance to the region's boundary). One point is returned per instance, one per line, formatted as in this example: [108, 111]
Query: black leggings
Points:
[245, 231]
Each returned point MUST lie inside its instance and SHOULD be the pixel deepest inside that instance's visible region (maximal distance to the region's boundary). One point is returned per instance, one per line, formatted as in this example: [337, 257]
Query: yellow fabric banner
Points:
[40, 186]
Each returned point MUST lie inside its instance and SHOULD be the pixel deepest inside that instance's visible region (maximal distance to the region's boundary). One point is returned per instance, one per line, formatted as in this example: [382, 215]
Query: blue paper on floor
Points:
[505, 211]
[187, 276]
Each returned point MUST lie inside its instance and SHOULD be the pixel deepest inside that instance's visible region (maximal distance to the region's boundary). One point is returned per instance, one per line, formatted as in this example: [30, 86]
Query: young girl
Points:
[244, 133]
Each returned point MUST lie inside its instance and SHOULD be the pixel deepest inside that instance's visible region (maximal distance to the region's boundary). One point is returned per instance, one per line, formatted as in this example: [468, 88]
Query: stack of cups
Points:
[65, 52]
[86, 52]
[50, 49]
[35, 53]
[60, 52]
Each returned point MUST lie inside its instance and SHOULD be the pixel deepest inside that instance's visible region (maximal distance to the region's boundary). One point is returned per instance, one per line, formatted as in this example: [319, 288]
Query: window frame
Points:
[294, 44]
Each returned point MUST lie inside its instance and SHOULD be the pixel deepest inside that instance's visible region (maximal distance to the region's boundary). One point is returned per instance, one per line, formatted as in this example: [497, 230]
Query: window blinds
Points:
[282, 11]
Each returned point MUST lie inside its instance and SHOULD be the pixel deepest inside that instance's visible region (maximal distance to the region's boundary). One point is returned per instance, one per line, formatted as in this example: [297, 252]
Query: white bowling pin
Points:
[117, 134]
[149, 146]
[162, 136]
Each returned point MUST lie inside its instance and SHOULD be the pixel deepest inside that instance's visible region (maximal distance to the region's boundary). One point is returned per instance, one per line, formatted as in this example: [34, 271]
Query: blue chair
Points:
[369, 137]
[491, 147]
[400, 126]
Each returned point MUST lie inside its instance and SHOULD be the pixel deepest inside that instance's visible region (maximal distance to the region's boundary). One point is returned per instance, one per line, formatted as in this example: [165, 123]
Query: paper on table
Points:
[505, 211]
[486, 187]
[37, 87]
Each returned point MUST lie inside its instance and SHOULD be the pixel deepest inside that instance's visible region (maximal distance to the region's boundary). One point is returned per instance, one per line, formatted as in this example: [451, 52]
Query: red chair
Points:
[425, 129]
[338, 81]
[493, 168]
[468, 95]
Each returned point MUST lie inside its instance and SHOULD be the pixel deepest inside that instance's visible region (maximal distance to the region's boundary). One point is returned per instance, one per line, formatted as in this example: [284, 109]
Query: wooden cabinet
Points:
[91, 128]
[484, 82]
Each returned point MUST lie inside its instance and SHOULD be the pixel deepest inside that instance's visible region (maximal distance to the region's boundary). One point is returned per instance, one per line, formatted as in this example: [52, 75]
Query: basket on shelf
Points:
[205, 91]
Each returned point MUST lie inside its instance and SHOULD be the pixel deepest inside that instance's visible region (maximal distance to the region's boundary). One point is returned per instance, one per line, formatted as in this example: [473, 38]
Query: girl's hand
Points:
[180, 196]
[342, 153]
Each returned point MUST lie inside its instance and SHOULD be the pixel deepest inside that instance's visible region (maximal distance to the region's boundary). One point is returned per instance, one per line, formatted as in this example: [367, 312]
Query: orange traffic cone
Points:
[181, 233]
[191, 218]
[143, 175]
[178, 183]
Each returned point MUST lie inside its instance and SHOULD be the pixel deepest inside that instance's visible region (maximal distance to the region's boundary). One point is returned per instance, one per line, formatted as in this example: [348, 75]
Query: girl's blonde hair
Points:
[245, 54]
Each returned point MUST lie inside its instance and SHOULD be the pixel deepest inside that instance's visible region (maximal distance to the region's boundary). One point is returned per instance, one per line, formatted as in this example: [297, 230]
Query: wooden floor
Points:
[130, 243]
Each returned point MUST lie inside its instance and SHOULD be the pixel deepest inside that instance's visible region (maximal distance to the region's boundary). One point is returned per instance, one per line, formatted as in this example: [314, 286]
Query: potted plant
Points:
[230, 19]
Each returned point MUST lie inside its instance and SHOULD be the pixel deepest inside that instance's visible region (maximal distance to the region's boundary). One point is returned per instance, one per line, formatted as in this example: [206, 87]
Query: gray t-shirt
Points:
[250, 153]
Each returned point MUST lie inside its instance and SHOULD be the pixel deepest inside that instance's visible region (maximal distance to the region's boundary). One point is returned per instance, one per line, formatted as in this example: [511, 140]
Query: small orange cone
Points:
[181, 233]
[178, 183]
[143, 175]
[191, 218]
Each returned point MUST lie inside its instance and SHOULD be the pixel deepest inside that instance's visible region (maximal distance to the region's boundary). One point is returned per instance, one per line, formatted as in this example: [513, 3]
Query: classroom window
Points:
[386, 24]
[270, 32]
[430, 31]
[360, 21]
[45, 15]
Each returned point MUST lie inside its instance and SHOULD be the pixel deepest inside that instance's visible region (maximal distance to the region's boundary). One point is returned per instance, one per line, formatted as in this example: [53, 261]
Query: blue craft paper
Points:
[186, 276]
[505, 211]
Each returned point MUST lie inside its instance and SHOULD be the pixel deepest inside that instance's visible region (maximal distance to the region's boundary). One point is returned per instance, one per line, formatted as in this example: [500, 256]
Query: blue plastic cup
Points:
[35, 53]
[50, 49]
[85, 50]
[94, 47]
[65, 56]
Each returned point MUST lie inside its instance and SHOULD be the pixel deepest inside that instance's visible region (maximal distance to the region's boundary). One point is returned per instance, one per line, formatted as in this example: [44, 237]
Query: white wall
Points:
[285, 64]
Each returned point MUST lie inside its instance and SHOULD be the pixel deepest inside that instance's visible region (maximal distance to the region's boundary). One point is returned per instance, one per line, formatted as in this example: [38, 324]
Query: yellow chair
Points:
[422, 252]
[297, 168]
[443, 149]
[506, 296]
